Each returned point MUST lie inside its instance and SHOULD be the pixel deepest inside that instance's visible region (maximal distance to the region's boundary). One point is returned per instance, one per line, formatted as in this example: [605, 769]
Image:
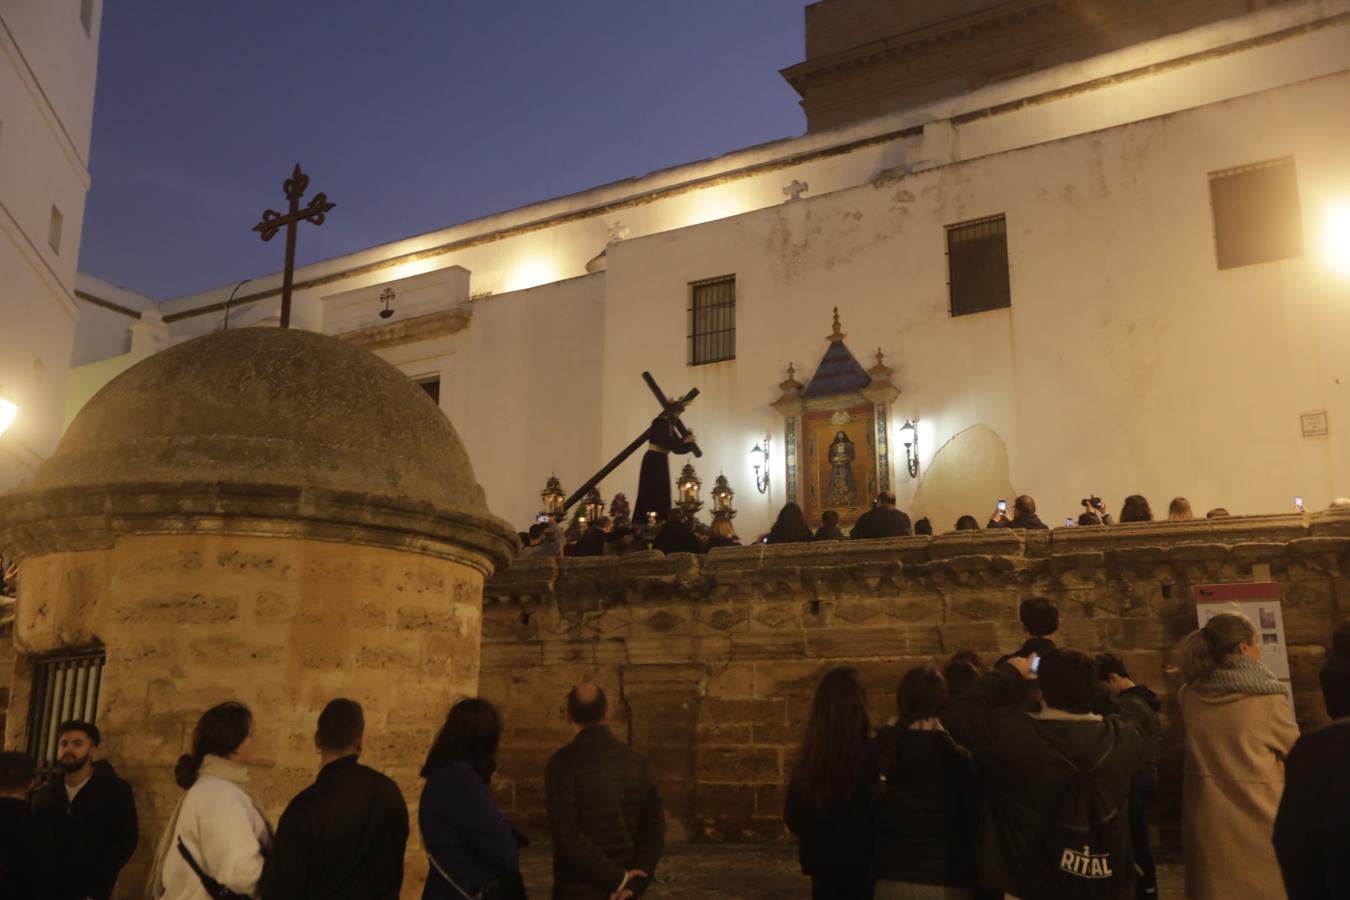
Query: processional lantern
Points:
[688, 487]
[722, 495]
[553, 496]
[593, 505]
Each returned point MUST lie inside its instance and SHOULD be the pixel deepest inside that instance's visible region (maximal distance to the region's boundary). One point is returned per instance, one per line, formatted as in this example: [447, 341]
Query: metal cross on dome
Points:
[273, 221]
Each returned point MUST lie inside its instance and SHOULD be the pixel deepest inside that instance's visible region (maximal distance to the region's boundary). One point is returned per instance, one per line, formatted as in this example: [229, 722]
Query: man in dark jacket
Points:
[341, 838]
[1034, 763]
[1335, 674]
[883, 520]
[592, 543]
[1312, 827]
[25, 859]
[90, 814]
[676, 536]
[603, 809]
[1024, 515]
[1142, 706]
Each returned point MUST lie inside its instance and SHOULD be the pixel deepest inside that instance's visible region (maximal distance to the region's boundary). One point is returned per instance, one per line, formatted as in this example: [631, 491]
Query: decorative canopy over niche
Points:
[836, 432]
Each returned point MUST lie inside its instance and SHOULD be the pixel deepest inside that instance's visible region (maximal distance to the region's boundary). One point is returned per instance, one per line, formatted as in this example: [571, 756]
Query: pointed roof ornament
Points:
[881, 371]
[838, 335]
[792, 385]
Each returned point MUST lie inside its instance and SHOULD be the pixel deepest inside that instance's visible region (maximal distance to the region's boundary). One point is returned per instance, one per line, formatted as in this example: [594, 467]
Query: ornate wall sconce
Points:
[909, 436]
[759, 459]
[722, 495]
[387, 295]
[554, 497]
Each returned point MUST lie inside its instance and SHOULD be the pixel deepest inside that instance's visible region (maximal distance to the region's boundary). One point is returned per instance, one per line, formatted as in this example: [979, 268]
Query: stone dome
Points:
[267, 422]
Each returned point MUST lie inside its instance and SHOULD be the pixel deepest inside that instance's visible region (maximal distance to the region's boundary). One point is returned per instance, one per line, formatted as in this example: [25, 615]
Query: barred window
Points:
[712, 320]
[1257, 217]
[65, 686]
[977, 266]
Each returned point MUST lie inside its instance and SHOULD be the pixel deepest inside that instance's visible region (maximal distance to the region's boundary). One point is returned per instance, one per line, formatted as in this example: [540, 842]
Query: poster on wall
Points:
[1259, 602]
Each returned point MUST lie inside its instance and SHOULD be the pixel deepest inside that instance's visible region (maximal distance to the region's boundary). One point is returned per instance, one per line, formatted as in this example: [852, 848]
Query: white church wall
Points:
[47, 70]
[1127, 363]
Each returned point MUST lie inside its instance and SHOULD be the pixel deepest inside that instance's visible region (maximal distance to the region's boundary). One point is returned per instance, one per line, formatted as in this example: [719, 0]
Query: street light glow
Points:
[8, 410]
[1336, 238]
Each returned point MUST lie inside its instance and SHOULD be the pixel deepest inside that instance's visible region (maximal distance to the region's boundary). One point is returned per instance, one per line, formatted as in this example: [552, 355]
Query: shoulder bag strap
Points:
[212, 886]
[446, 875]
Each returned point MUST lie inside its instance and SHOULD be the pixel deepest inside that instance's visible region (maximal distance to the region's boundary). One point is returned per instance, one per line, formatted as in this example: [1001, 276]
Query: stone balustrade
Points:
[710, 662]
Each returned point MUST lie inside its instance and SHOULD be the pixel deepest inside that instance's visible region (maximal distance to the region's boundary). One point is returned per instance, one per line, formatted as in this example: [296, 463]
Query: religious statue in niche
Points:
[836, 433]
[843, 490]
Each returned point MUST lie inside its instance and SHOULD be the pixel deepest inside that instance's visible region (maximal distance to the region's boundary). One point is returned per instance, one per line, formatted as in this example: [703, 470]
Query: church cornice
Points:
[805, 75]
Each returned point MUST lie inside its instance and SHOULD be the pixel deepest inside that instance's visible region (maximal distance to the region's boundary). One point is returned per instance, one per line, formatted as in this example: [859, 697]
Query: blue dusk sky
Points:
[411, 115]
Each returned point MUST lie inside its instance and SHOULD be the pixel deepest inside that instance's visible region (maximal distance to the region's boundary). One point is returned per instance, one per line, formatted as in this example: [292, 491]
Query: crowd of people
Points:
[1034, 778]
[344, 837]
[678, 532]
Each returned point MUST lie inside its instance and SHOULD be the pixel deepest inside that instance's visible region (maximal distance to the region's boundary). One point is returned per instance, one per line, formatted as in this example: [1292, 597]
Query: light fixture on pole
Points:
[688, 487]
[722, 495]
[554, 497]
[759, 459]
[9, 410]
[909, 436]
[387, 295]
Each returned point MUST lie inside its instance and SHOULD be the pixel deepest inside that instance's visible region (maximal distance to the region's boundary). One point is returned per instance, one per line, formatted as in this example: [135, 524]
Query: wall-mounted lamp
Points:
[759, 459]
[909, 436]
[9, 410]
[387, 295]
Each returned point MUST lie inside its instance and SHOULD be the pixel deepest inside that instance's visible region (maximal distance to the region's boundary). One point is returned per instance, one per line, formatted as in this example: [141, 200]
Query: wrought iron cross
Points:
[272, 222]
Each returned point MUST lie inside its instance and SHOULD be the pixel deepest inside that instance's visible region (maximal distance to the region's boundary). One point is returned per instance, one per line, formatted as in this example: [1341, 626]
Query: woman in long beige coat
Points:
[1238, 731]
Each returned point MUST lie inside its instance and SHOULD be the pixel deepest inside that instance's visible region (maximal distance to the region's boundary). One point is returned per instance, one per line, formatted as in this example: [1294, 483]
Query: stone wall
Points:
[284, 626]
[710, 662]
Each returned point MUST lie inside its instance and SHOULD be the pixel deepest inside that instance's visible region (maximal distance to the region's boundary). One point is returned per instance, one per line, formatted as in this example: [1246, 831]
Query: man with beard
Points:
[91, 814]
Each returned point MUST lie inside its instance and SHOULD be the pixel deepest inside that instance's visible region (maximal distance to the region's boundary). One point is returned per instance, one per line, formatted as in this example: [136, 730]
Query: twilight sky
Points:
[411, 114]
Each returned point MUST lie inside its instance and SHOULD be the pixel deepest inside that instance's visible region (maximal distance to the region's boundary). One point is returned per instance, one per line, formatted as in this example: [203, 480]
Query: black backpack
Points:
[1077, 846]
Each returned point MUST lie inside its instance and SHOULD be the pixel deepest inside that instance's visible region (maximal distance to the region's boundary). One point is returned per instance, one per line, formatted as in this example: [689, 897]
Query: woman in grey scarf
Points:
[1239, 728]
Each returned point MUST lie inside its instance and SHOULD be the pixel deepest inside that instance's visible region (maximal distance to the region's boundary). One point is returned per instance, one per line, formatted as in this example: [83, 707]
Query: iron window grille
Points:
[65, 687]
[1257, 216]
[712, 320]
[977, 266]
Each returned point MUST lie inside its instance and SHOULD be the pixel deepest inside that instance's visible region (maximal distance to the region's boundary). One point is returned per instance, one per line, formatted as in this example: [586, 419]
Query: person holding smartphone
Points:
[1024, 514]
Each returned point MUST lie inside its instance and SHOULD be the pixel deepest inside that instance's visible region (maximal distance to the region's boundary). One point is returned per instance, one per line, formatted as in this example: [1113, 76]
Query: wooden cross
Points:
[670, 409]
[272, 221]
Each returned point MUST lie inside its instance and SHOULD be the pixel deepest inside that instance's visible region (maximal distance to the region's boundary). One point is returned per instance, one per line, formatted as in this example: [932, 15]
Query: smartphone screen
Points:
[1298, 503]
[1003, 506]
[1035, 662]
[1069, 521]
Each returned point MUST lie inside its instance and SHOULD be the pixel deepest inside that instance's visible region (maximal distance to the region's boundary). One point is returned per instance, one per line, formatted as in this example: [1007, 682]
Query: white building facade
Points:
[48, 65]
[1113, 275]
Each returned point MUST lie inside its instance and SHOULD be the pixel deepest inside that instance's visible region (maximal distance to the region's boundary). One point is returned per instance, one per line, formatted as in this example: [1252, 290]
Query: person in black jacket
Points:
[25, 856]
[676, 536]
[1335, 674]
[90, 813]
[343, 837]
[1033, 762]
[603, 808]
[827, 794]
[1312, 827]
[1024, 515]
[1143, 707]
[592, 543]
[883, 520]
[925, 797]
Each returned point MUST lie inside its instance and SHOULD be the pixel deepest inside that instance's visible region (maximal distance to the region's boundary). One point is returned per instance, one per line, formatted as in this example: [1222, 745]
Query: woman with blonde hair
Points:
[1239, 729]
[1179, 510]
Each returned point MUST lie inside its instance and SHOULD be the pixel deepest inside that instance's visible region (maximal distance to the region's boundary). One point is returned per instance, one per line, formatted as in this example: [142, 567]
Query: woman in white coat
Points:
[216, 827]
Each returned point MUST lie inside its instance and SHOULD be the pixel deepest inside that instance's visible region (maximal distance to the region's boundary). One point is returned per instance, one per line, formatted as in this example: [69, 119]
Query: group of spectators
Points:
[1035, 777]
[343, 837]
[679, 533]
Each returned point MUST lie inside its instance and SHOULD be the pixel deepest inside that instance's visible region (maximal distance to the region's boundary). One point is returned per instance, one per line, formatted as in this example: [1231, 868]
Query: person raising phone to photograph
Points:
[1024, 514]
